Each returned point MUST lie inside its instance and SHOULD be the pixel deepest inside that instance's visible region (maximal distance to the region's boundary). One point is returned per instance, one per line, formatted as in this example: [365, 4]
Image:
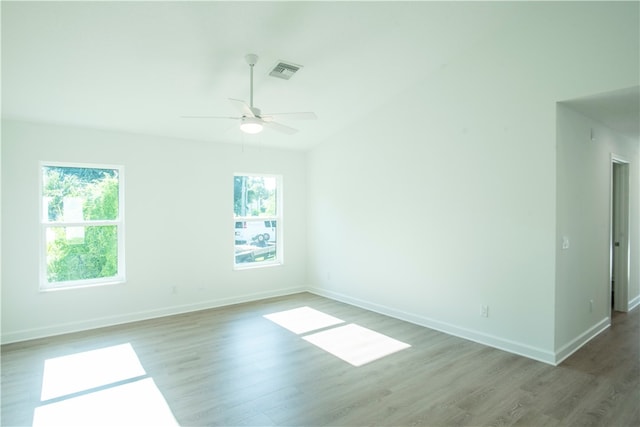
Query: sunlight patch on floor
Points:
[138, 403]
[355, 344]
[302, 320]
[351, 343]
[102, 387]
[90, 369]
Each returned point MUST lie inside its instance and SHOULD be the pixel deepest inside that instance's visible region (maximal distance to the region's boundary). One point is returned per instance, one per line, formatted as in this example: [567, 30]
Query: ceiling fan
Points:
[251, 119]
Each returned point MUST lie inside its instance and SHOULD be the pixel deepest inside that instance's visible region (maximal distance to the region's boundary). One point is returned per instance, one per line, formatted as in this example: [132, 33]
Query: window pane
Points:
[256, 241]
[255, 232]
[73, 194]
[254, 196]
[77, 253]
[256, 213]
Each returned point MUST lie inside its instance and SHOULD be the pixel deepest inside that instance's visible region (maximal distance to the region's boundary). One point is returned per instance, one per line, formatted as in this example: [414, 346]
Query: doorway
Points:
[619, 242]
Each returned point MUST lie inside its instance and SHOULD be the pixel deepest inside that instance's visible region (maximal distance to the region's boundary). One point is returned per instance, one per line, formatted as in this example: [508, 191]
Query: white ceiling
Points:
[139, 66]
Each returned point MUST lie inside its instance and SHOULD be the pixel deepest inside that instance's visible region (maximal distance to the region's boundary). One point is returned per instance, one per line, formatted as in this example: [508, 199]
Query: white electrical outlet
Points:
[484, 311]
[590, 305]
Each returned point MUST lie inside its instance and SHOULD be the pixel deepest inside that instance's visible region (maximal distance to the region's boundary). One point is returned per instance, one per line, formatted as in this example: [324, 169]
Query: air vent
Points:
[284, 70]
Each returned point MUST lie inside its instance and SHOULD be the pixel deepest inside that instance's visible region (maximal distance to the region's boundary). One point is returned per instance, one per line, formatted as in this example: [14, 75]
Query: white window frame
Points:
[120, 277]
[279, 259]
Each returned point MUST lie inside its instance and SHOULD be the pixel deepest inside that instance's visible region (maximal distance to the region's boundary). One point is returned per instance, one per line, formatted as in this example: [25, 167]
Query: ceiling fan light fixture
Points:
[251, 125]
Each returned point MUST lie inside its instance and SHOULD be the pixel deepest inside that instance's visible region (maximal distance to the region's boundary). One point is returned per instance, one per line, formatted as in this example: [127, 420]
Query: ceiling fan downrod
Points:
[251, 59]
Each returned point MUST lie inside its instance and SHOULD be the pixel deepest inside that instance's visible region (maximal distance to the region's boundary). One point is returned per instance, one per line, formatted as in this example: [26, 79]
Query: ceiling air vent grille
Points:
[284, 70]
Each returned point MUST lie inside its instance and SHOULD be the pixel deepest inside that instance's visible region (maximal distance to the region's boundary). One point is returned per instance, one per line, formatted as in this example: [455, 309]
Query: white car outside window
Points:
[256, 232]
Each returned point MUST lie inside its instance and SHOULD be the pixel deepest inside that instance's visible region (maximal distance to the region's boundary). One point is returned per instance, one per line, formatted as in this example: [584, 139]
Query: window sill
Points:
[241, 267]
[81, 285]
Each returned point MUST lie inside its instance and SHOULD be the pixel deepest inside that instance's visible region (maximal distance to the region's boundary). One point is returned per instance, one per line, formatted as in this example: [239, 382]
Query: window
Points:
[257, 215]
[82, 225]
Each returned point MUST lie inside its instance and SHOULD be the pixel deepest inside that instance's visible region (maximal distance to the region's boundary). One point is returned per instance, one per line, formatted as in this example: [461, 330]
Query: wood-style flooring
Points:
[231, 366]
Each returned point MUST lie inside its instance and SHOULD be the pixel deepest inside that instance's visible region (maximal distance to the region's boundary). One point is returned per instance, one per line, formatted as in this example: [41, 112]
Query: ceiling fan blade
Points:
[210, 117]
[242, 107]
[297, 116]
[280, 127]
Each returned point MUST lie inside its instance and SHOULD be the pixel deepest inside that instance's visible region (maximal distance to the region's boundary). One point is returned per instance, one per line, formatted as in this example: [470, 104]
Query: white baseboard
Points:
[575, 344]
[469, 334]
[65, 328]
[633, 303]
[521, 349]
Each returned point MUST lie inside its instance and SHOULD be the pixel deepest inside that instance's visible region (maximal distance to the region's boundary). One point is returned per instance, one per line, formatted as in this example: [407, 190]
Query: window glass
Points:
[82, 225]
[256, 213]
[255, 196]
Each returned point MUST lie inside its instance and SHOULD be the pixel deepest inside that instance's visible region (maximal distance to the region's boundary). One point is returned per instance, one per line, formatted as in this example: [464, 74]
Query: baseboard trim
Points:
[510, 346]
[577, 343]
[66, 328]
[514, 347]
[633, 303]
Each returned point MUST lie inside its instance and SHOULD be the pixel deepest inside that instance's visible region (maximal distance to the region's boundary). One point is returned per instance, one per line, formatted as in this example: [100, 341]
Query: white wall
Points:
[178, 221]
[444, 200]
[583, 204]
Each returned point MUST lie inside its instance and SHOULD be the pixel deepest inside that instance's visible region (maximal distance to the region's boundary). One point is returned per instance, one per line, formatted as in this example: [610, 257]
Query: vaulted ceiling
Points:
[139, 66]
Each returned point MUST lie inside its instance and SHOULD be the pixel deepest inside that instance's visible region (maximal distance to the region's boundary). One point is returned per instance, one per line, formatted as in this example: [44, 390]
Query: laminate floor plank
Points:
[231, 366]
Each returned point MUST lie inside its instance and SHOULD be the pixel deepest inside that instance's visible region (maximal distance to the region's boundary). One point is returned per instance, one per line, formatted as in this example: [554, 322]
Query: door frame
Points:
[619, 214]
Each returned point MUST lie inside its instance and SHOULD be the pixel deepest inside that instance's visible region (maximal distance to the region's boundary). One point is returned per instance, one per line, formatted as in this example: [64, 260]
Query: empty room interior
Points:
[320, 213]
